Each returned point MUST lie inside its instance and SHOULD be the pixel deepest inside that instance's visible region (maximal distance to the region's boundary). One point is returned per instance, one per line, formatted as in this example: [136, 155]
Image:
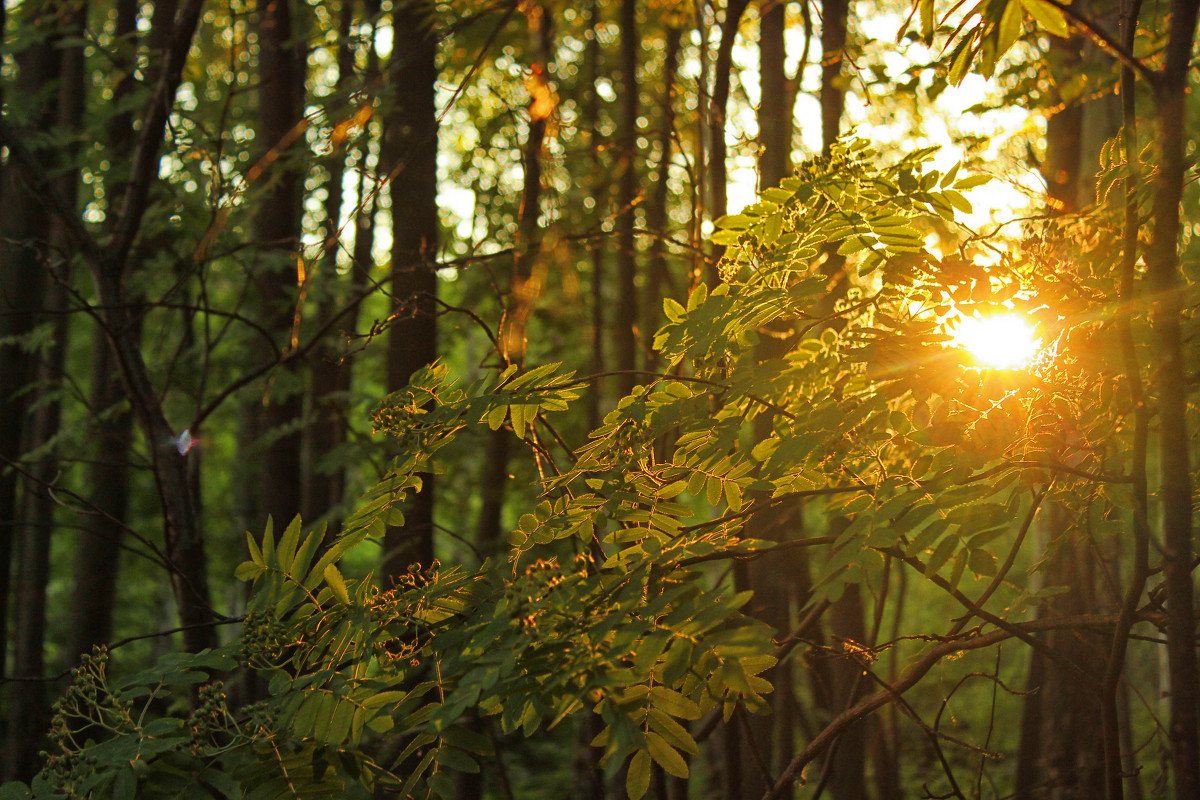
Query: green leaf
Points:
[957, 200]
[941, 554]
[674, 703]
[677, 735]
[1010, 26]
[982, 563]
[637, 780]
[667, 757]
[255, 554]
[268, 541]
[125, 785]
[733, 496]
[971, 181]
[457, 760]
[517, 411]
[714, 490]
[1049, 17]
[286, 554]
[248, 571]
[495, 417]
[335, 581]
[960, 60]
[853, 245]
[926, 9]
[734, 222]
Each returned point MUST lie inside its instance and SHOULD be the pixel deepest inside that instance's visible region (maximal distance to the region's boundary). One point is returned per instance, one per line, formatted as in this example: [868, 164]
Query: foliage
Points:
[606, 599]
[784, 403]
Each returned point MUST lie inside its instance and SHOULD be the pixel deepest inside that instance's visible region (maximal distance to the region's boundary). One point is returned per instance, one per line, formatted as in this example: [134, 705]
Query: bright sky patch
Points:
[1003, 341]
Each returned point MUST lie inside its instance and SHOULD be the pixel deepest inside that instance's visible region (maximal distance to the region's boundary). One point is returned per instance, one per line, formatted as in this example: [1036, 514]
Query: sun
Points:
[1002, 341]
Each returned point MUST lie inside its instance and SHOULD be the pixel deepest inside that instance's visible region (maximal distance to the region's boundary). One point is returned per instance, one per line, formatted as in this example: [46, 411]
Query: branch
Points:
[154, 122]
[47, 190]
[910, 678]
[1107, 43]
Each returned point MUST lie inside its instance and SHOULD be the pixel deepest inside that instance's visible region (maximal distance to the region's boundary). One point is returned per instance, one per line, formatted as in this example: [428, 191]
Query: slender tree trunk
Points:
[97, 554]
[1064, 757]
[772, 580]
[599, 192]
[24, 231]
[625, 344]
[410, 155]
[703, 151]
[1120, 772]
[25, 236]
[29, 717]
[1171, 382]
[526, 277]
[328, 386]
[842, 681]
[277, 223]
[657, 276]
[718, 109]
[834, 16]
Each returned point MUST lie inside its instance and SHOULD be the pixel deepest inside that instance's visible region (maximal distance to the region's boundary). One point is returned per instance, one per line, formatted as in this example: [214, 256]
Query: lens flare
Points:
[1004, 341]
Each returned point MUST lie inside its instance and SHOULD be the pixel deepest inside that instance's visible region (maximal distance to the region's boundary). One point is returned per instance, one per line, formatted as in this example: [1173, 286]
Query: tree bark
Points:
[29, 715]
[277, 223]
[24, 236]
[658, 276]
[1171, 382]
[330, 375]
[718, 109]
[410, 155]
[1064, 756]
[97, 554]
[625, 344]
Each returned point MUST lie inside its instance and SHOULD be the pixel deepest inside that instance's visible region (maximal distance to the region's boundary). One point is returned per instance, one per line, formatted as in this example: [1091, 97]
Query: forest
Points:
[523, 399]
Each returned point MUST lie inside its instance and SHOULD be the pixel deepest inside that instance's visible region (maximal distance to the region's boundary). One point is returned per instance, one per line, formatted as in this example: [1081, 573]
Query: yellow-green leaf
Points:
[675, 734]
[1049, 17]
[495, 417]
[248, 570]
[335, 581]
[667, 757]
[637, 780]
[674, 703]
[1010, 26]
[927, 21]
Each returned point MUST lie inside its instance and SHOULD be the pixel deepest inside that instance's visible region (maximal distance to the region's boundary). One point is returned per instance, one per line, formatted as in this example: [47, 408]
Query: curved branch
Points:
[910, 678]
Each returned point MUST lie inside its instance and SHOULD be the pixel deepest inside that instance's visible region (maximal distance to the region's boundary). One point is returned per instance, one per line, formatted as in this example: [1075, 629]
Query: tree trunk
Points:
[277, 224]
[97, 554]
[29, 717]
[625, 344]
[1065, 756]
[24, 231]
[718, 109]
[330, 380]
[772, 580]
[527, 276]
[410, 155]
[1171, 382]
[599, 191]
[658, 276]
